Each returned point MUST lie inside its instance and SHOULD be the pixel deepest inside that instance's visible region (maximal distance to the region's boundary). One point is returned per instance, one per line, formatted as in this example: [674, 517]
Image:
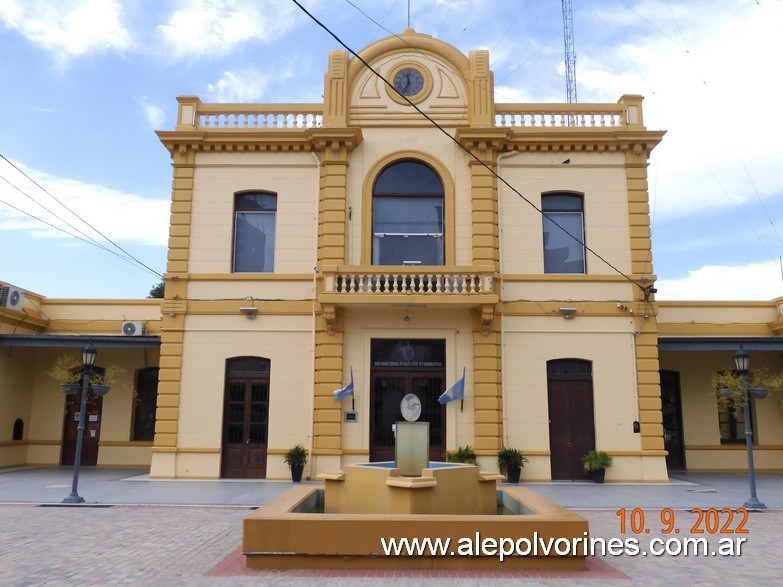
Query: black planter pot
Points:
[296, 473]
[512, 474]
[600, 474]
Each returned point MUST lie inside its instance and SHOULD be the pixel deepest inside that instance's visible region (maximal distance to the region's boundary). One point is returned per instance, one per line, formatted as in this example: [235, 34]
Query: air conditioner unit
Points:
[11, 297]
[133, 328]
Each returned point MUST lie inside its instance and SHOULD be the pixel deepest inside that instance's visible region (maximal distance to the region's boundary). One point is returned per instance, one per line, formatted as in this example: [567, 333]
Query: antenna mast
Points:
[570, 58]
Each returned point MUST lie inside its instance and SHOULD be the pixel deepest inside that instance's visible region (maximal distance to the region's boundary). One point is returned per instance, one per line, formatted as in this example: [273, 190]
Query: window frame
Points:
[448, 221]
[545, 215]
[235, 217]
[431, 195]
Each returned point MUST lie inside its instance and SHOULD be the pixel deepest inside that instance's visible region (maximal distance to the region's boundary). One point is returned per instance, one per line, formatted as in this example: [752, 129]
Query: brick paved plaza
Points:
[188, 544]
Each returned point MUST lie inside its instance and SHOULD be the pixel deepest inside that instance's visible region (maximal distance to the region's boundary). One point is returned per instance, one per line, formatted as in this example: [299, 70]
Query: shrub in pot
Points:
[296, 459]
[597, 462]
[462, 455]
[511, 461]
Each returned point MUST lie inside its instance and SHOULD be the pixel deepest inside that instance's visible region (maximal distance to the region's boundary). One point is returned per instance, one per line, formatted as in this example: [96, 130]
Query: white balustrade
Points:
[391, 283]
[254, 119]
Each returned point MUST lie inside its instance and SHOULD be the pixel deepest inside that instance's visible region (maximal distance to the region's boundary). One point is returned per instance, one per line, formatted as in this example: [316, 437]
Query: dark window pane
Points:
[561, 203]
[401, 250]
[248, 365]
[563, 238]
[254, 249]
[408, 178]
[255, 202]
[408, 215]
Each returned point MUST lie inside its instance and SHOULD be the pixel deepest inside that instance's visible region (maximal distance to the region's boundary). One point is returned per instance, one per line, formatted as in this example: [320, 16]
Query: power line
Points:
[646, 289]
[44, 190]
[61, 229]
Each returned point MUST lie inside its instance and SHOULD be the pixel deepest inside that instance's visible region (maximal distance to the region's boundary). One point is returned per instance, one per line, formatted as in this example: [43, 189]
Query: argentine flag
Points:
[455, 392]
[345, 392]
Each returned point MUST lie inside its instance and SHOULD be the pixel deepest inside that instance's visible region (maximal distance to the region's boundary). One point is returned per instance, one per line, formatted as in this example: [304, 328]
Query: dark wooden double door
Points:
[245, 428]
[571, 421]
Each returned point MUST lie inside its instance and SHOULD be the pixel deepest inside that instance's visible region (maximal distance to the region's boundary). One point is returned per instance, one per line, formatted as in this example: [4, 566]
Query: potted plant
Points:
[511, 461]
[597, 462]
[462, 455]
[296, 459]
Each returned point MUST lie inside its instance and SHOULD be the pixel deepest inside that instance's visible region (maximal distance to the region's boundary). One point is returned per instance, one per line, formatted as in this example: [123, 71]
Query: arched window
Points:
[254, 232]
[408, 215]
[564, 250]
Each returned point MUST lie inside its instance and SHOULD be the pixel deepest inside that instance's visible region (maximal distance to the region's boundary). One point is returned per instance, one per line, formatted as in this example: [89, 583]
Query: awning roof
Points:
[78, 341]
[720, 343]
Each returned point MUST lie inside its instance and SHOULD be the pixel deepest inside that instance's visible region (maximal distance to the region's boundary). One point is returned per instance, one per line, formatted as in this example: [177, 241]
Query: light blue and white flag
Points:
[455, 392]
[345, 392]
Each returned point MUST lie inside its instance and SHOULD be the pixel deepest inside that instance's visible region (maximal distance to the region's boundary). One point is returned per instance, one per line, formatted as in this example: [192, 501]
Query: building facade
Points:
[399, 242]
[369, 235]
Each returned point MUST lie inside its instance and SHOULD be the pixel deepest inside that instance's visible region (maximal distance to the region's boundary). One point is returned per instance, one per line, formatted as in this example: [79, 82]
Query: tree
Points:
[157, 290]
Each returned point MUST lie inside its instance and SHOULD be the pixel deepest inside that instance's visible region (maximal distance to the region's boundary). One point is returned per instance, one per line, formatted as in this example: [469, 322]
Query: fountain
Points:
[342, 525]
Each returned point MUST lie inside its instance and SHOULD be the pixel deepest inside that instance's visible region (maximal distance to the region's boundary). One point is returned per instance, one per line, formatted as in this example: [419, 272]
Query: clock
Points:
[408, 81]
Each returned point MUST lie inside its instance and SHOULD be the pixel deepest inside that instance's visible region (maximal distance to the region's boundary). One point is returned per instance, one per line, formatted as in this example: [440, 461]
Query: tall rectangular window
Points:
[146, 400]
[563, 227]
[254, 232]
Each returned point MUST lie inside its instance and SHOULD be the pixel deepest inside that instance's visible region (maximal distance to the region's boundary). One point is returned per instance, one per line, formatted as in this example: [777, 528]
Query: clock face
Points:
[409, 81]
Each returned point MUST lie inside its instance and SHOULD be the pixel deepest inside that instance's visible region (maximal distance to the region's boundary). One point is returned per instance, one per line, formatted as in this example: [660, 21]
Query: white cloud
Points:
[706, 81]
[120, 216]
[756, 281]
[154, 114]
[245, 85]
[213, 28]
[68, 27]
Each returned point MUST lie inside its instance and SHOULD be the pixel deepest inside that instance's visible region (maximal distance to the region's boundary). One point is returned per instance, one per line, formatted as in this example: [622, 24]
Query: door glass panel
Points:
[428, 389]
[235, 413]
[387, 395]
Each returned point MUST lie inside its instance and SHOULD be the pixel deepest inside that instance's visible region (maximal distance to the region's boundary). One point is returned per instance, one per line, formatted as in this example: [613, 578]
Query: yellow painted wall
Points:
[41, 396]
[600, 177]
[209, 340]
[703, 450]
[294, 177]
[16, 377]
[381, 146]
[528, 343]
[361, 326]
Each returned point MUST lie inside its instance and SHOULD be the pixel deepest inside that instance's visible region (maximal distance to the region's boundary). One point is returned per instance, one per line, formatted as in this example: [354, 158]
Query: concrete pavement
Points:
[139, 532]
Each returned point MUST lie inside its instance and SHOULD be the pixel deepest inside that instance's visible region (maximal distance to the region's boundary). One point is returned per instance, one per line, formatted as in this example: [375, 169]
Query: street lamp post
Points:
[742, 364]
[88, 360]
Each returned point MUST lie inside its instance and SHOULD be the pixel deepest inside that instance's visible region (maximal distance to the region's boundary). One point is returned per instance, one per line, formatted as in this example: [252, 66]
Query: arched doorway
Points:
[571, 420]
[245, 418]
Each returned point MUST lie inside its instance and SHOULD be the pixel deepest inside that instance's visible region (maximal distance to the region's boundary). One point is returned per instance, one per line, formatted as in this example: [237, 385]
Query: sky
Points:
[85, 83]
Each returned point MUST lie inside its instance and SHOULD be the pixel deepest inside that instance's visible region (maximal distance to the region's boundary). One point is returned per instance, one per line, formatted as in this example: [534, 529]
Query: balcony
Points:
[469, 286]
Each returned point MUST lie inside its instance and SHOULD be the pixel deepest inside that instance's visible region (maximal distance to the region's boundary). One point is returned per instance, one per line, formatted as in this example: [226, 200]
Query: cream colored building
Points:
[368, 237]
[398, 256]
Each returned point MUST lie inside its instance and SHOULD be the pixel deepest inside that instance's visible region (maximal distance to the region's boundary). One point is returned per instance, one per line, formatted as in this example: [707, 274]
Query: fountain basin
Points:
[277, 536]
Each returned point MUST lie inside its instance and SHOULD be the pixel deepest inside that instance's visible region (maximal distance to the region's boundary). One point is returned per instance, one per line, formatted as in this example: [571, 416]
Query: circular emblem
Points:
[408, 352]
[410, 407]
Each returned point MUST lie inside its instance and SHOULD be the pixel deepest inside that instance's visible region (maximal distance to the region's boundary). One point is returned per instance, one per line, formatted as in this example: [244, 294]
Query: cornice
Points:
[260, 140]
[559, 139]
